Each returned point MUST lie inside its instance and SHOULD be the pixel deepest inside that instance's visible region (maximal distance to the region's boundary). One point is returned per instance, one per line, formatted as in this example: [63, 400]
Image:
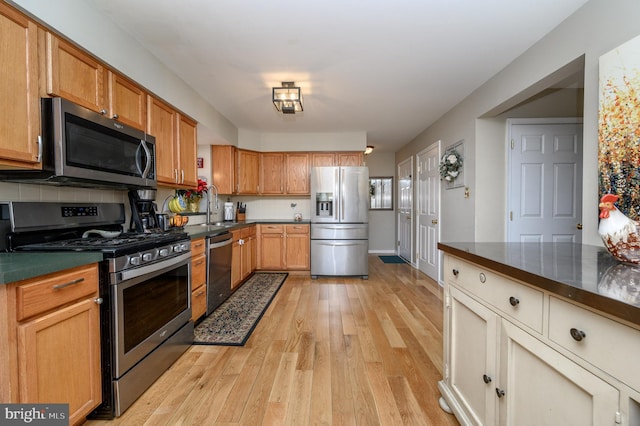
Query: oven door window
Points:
[151, 304]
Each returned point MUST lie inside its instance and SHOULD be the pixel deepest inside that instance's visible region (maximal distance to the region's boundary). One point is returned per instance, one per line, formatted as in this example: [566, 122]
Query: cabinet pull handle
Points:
[455, 272]
[486, 378]
[98, 301]
[513, 301]
[198, 262]
[577, 335]
[499, 392]
[483, 277]
[60, 286]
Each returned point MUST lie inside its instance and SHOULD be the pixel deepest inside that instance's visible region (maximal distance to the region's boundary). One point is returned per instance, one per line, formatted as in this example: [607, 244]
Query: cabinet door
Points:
[236, 259]
[187, 142]
[19, 102]
[59, 359]
[323, 159]
[127, 102]
[297, 247]
[542, 387]
[161, 124]
[298, 173]
[271, 173]
[247, 167]
[223, 168]
[472, 351]
[75, 75]
[350, 159]
[271, 251]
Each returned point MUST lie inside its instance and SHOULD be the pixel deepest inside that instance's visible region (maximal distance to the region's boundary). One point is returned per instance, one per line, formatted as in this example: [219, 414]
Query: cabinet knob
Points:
[499, 392]
[513, 301]
[577, 335]
[115, 116]
[486, 378]
[455, 272]
[98, 301]
[483, 277]
[102, 111]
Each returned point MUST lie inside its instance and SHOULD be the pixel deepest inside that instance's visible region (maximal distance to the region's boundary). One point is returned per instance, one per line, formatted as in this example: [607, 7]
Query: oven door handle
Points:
[150, 269]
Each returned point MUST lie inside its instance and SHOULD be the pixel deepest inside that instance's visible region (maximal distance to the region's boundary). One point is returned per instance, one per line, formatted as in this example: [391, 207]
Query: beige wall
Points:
[596, 28]
[382, 228]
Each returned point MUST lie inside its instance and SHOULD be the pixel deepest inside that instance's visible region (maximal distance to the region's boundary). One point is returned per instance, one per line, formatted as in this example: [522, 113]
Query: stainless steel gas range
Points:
[145, 286]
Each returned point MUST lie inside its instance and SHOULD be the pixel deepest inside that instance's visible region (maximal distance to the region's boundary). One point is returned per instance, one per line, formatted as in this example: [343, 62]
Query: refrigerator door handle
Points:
[338, 212]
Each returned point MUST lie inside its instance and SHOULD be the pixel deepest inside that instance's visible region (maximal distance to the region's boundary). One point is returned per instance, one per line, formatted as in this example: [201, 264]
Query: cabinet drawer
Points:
[46, 293]
[297, 229]
[272, 229]
[198, 247]
[607, 344]
[198, 271]
[248, 232]
[515, 300]
[198, 302]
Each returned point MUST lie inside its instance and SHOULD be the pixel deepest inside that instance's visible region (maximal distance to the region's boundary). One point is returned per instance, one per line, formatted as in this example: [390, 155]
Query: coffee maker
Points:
[143, 211]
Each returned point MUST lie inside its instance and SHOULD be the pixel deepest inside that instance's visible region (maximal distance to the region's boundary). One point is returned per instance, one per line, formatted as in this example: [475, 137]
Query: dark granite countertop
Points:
[21, 266]
[202, 230]
[583, 273]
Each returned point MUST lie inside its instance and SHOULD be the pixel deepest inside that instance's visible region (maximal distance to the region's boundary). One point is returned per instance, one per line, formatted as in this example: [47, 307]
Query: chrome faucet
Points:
[215, 202]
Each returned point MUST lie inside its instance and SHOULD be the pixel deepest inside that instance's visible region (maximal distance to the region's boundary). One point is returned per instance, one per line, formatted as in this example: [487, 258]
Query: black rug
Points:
[233, 322]
[392, 259]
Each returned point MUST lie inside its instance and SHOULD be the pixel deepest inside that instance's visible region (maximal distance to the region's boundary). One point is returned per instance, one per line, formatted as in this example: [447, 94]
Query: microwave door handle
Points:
[144, 172]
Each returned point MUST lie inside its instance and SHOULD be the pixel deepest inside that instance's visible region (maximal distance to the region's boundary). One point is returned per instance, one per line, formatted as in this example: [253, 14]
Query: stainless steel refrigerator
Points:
[339, 221]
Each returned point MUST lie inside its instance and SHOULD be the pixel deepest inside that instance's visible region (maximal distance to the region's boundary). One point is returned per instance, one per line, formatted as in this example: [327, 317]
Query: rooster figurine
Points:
[619, 233]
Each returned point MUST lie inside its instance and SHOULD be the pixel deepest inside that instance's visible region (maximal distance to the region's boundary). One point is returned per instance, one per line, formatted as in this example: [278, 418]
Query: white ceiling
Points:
[387, 67]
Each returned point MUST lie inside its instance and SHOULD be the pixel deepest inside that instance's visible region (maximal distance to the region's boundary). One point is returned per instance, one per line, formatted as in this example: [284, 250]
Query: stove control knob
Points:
[177, 248]
[164, 252]
[146, 257]
[135, 260]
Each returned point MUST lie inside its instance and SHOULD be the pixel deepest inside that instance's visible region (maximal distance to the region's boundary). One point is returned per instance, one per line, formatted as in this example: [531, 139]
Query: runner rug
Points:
[234, 321]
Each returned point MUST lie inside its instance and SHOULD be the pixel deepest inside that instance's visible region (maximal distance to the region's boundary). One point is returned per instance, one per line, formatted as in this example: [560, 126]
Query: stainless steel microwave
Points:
[80, 147]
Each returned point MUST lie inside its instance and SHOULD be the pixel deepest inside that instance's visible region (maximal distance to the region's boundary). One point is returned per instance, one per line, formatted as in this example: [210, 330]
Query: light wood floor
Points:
[331, 351]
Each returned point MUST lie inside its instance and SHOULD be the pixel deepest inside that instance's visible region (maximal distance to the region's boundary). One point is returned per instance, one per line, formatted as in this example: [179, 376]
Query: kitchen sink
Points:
[223, 224]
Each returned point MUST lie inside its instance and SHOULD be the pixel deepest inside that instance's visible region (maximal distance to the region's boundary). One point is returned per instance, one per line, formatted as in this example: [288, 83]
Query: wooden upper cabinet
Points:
[298, 173]
[350, 158]
[127, 101]
[19, 99]
[161, 123]
[223, 168]
[323, 159]
[75, 75]
[247, 171]
[187, 152]
[272, 173]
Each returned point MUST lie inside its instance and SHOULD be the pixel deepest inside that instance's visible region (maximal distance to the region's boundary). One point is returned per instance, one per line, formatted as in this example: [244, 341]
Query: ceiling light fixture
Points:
[287, 98]
[368, 150]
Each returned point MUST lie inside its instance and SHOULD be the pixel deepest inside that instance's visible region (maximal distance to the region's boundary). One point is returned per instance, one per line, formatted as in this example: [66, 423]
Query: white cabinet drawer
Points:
[607, 344]
[515, 300]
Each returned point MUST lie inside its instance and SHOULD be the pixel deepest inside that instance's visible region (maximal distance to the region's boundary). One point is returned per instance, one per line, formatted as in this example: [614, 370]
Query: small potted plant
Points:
[193, 196]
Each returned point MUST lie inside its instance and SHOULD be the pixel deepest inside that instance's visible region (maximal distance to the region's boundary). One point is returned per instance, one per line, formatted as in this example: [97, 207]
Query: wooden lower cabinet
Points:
[56, 323]
[283, 247]
[500, 371]
[198, 278]
[243, 255]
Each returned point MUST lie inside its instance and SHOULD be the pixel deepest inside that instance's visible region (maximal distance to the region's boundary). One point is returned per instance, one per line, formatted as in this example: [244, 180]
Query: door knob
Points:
[579, 226]
[434, 221]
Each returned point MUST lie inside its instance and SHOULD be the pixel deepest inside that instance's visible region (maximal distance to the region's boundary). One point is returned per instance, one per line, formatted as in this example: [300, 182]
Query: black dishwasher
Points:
[219, 270]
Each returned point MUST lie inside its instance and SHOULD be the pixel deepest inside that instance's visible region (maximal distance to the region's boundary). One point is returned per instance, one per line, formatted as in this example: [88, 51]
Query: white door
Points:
[405, 207]
[545, 182]
[428, 211]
